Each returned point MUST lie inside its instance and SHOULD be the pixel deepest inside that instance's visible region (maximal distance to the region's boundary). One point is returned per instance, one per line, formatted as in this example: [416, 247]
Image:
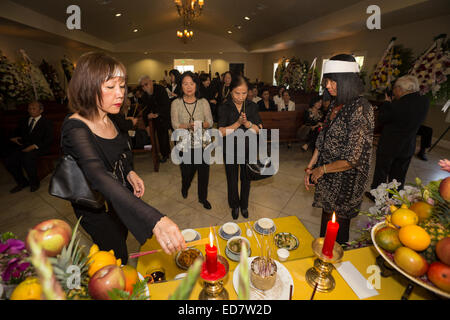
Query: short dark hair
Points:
[264, 89]
[314, 99]
[204, 76]
[237, 80]
[85, 87]
[194, 78]
[349, 84]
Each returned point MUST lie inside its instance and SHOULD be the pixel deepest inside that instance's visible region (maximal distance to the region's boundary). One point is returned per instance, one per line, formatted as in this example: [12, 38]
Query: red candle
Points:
[211, 255]
[330, 237]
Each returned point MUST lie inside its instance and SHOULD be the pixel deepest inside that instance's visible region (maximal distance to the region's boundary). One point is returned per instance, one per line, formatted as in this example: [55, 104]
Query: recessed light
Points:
[146, 52]
[118, 14]
[135, 30]
[220, 52]
[247, 18]
[239, 27]
[230, 32]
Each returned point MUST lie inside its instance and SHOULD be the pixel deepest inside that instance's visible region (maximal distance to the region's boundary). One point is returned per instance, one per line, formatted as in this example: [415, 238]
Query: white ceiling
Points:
[274, 24]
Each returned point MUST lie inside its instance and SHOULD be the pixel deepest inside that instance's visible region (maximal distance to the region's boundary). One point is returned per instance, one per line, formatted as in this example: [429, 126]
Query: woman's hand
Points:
[444, 164]
[308, 172]
[137, 184]
[316, 174]
[169, 236]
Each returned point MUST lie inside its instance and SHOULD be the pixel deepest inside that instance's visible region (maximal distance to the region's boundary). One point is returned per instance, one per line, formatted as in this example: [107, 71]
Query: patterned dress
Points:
[347, 137]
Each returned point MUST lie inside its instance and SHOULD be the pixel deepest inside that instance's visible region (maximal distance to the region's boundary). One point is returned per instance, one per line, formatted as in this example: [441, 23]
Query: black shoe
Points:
[370, 196]
[206, 204]
[235, 213]
[184, 193]
[164, 159]
[244, 212]
[422, 156]
[18, 188]
[34, 188]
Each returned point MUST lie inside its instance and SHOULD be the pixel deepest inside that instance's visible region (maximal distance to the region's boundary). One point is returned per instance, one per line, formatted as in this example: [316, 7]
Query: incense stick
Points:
[217, 240]
[190, 244]
[314, 292]
[290, 292]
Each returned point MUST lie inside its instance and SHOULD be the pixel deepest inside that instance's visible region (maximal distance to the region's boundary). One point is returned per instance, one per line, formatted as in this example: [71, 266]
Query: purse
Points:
[68, 182]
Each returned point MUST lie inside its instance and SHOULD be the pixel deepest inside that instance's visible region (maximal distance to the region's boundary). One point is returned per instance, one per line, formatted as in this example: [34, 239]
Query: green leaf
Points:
[244, 277]
[184, 290]
[117, 294]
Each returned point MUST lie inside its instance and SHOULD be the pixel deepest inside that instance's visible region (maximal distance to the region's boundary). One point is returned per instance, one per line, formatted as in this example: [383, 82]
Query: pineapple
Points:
[72, 255]
[437, 232]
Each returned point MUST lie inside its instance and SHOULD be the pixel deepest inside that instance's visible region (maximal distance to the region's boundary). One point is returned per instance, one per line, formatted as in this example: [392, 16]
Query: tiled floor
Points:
[281, 195]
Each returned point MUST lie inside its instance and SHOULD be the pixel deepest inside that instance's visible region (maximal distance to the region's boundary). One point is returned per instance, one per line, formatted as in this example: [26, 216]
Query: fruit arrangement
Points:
[415, 236]
[65, 271]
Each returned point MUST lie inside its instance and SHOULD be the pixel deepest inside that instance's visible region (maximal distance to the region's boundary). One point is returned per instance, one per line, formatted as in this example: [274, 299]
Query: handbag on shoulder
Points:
[69, 183]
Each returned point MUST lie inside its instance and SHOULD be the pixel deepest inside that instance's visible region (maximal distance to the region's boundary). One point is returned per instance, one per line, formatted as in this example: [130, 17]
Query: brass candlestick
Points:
[214, 289]
[320, 274]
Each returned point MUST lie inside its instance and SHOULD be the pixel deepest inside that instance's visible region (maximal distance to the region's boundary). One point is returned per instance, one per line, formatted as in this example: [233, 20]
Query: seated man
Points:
[33, 138]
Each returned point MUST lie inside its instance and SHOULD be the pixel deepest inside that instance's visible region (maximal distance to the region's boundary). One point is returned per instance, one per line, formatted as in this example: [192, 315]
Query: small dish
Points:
[234, 246]
[225, 231]
[184, 259]
[283, 254]
[286, 240]
[190, 235]
[235, 257]
[265, 226]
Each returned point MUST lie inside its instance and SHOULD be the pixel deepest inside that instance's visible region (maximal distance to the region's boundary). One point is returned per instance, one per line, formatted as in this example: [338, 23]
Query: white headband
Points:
[337, 66]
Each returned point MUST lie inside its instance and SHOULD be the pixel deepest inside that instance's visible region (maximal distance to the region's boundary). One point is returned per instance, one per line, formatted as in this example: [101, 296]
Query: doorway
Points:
[194, 65]
[237, 68]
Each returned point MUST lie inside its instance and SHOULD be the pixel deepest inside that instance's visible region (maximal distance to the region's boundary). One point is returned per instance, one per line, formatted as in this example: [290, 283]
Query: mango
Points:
[410, 261]
[387, 238]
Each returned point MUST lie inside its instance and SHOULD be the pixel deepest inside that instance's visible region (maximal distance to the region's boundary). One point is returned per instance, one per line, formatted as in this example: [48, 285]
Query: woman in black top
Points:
[210, 93]
[97, 89]
[313, 122]
[224, 93]
[238, 113]
[266, 104]
[173, 88]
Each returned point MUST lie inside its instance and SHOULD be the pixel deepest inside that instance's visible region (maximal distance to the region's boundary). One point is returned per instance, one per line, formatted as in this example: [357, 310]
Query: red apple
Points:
[53, 235]
[444, 189]
[104, 280]
[443, 250]
[439, 274]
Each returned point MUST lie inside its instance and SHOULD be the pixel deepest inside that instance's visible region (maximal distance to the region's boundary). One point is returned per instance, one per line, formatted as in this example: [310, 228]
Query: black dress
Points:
[228, 114]
[95, 156]
[262, 106]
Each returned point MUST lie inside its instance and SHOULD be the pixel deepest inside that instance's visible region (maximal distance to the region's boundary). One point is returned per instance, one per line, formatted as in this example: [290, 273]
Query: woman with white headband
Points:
[339, 167]
[96, 90]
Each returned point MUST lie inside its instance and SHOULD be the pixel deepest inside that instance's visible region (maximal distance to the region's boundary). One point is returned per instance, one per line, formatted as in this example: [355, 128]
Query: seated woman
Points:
[97, 90]
[256, 98]
[286, 103]
[266, 104]
[313, 122]
[278, 97]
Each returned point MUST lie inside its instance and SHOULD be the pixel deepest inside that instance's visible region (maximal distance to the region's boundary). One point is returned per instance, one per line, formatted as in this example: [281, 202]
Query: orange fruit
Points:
[403, 217]
[100, 259]
[422, 209]
[414, 237]
[131, 277]
[29, 289]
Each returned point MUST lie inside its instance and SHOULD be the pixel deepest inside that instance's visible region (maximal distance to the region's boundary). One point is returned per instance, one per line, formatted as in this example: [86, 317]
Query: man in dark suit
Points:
[33, 138]
[157, 107]
[401, 119]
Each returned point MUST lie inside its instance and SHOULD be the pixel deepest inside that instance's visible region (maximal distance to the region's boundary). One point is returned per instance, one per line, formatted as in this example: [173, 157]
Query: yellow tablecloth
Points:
[290, 224]
[392, 288]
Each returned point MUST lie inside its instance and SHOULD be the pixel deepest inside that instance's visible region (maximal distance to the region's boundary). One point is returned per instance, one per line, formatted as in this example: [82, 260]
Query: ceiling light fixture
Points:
[230, 32]
[185, 35]
[135, 30]
[118, 14]
[247, 18]
[189, 10]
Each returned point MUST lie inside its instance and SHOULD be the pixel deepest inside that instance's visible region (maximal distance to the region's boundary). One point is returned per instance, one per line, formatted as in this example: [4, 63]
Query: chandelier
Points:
[189, 10]
[185, 35]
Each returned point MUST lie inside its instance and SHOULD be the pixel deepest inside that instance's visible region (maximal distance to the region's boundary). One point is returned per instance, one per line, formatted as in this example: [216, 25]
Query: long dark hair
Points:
[176, 74]
[349, 85]
[194, 78]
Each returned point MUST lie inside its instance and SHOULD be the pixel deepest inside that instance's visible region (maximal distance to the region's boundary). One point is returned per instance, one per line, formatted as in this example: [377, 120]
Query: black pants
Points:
[188, 172]
[105, 229]
[18, 160]
[388, 168]
[234, 200]
[344, 227]
[162, 131]
[426, 134]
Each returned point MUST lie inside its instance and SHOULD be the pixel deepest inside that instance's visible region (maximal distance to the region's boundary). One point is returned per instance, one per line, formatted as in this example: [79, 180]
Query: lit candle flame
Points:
[334, 217]
[210, 237]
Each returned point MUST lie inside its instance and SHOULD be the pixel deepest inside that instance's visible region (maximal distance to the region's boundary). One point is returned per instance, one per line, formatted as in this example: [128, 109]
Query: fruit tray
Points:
[389, 257]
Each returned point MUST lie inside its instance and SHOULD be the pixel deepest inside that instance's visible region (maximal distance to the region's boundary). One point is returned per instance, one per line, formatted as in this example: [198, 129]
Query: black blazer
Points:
[262, 107]
[401, 120]
[158, 103]
[41, 135]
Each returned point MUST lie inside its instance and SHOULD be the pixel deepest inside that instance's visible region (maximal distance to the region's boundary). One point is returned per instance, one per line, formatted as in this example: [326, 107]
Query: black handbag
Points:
[257, 171]
[69, 183]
